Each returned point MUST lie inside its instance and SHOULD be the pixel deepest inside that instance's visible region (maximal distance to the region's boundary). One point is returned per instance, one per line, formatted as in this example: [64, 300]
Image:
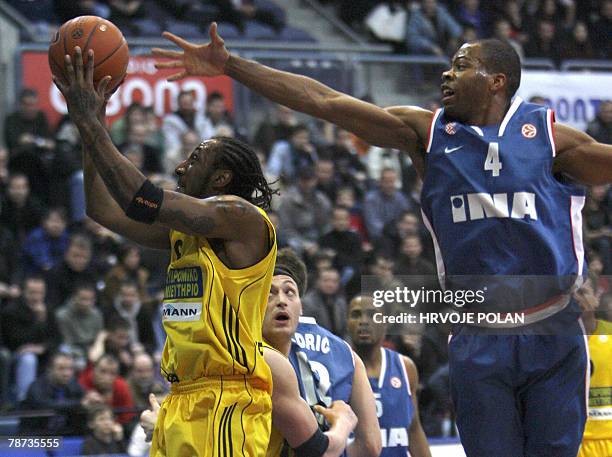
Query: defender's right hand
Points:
[338, 410]
[194, 60]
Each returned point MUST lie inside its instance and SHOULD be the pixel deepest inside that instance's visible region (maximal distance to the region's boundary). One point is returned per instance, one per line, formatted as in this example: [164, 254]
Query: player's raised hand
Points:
[83, 99]
[148, 418]
[194, 60]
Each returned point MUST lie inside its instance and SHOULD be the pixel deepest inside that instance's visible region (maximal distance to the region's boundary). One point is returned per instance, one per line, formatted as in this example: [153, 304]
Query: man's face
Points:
[29, 107]
[34, 292]
[62, 371]
[605, 112]
[104, 375]
[387, 182]
[329, 282]
[142, 370]
[78, 257]
[301, 139]
[465, 86]
[360, 322]
[429, 7]
[102, 424]
[411, 247]
[119, 339]
[216, 109]
[128, 296]
[283, 310]
[186, 103]
[341, 220]
[408, 224]
[84, 300]
[324, 170]
[18, 189]
[383, 268]
[195, 173]
[546, 31]
[54, 225]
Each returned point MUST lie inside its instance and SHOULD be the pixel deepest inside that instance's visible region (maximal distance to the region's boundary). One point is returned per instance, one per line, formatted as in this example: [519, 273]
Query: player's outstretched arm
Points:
[367, 442]
[373, 124]
[581, 157]
[418, 445]
[292, 416]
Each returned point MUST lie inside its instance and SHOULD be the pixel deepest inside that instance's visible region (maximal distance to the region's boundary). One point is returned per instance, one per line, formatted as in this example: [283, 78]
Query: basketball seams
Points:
[121, 43]
[91, 34]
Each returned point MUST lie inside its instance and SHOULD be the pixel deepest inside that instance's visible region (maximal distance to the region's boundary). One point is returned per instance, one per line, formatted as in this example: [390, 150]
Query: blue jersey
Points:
[394, 406]
[493, 206]
[323, 362]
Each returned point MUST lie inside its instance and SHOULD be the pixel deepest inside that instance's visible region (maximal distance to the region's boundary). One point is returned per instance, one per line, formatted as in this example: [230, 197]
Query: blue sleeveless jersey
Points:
[320, 357]
[493, 206]
[394, 406]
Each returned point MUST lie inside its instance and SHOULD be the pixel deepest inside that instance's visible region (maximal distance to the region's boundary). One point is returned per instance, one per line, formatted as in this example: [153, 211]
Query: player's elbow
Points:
[370, 445]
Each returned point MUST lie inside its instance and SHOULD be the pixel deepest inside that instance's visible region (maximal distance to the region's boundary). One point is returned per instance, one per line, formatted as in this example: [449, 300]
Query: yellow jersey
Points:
[599, 422]
[213, 314]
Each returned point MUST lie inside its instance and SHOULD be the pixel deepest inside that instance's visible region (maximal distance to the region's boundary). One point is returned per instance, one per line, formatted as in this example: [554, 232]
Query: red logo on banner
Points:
[144, 83]
[450, 128]
[529, 130]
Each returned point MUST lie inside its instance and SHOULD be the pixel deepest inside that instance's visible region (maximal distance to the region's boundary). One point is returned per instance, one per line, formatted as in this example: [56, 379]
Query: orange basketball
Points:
[111, 53]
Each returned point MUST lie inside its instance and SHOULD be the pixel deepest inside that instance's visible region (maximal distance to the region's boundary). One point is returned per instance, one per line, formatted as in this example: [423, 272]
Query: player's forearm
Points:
[295, 91]
[121, 178]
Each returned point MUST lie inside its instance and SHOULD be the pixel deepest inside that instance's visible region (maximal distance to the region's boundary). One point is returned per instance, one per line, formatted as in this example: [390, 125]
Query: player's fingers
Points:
[177, 40]
[69, 68]
[78, 65]
[153, 402]
[103, 85]
[158, 52]
[60, 84]
[89, 68]
[172, 64]
[177, 76]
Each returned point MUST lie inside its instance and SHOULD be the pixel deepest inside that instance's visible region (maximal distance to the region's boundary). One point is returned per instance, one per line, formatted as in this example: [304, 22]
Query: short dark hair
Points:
[500, 57]
[117, 323]
[289, 263]
[249, 181]
[94, 411]
[214, 96]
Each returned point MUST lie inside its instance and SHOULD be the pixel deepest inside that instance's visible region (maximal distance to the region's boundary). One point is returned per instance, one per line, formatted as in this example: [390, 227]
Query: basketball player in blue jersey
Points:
[326, 367]
[495, 200]
[394, 380]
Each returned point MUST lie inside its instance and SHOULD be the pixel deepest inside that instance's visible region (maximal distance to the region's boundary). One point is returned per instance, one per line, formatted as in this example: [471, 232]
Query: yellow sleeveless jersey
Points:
[212, 314]
[599, 423]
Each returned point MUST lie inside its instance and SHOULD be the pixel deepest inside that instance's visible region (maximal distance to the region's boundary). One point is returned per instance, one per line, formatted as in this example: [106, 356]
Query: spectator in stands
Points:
[127, 268]
[103, 385]
[142, 380]
[66, 170]
[348, 167]
[274, 128]
[544, 44]
[20, 211]
[346, 197]
[124, 13]
[57, 390]
[30, 332]
[326, 302]
[327, 180]
[408, 223]
[79, 321]
[239, 12]
[189, 141]
[578, 46]
[432, 30]
[600, 128]
[382, 272]
[114, 340]
[187, 117]
[512, 13]
[74, 268]
[155, 137]
[11, 269]
[106, 434]
[127, 305]
[345, 243]
[470, 14]
[137, 143]
[29, 141]
[287, 158]
[217, 113]
[304, 213]
[105, 244]
[384, 204]
[379, 159]
[410, 261]
[601, 30]
[44, 246]
[502, 30]
[598, 223]
[134, 115]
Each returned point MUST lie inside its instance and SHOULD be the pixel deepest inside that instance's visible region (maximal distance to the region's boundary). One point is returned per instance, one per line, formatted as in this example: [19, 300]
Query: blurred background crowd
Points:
[80, 328]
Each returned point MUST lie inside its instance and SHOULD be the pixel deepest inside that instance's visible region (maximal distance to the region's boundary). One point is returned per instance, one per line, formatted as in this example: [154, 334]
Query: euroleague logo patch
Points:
[529, 130]
[396, 382]
[450, 128]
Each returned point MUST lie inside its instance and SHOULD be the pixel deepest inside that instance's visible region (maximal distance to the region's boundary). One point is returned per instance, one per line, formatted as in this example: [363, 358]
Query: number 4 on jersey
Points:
[492, 162]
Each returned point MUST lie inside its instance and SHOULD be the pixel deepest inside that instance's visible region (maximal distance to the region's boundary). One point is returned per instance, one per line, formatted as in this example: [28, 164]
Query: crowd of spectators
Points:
[551, 29]
[79, 306]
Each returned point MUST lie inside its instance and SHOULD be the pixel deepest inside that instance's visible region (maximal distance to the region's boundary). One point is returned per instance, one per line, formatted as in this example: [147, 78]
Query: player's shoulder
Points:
[415, 116]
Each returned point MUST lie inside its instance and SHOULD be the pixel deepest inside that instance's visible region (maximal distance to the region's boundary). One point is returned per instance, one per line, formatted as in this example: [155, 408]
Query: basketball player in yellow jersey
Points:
[223, 250]
[597, 438]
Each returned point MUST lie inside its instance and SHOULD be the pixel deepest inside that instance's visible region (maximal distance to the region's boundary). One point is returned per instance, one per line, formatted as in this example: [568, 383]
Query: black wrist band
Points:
[146, 203]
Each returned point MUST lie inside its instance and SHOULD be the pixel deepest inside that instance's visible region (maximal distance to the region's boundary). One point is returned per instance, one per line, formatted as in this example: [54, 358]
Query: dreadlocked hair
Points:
[248, 181]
